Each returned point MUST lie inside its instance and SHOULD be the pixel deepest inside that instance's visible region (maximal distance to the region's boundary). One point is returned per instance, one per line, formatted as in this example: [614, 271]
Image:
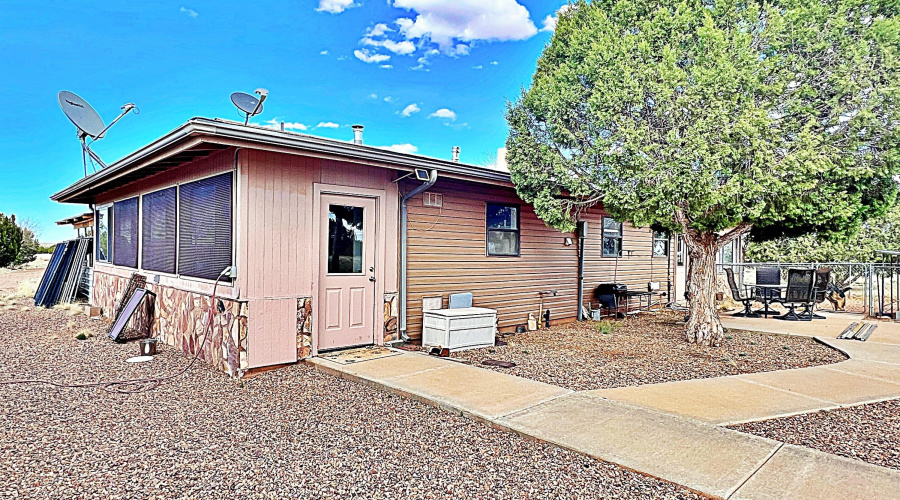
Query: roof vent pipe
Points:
[432, 178]
[357, 134]
[456, 154]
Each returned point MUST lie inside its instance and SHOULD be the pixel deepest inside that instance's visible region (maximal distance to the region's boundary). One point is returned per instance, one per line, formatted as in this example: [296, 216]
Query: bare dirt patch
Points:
[870, 433]
[644, 349]
[288, 433]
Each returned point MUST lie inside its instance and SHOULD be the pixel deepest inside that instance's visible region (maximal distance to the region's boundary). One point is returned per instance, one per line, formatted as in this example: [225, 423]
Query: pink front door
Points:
[347, 271]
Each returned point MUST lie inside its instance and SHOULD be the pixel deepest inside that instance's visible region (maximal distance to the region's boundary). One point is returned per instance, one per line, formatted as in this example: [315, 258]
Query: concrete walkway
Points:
[872, 374]
[669, 430]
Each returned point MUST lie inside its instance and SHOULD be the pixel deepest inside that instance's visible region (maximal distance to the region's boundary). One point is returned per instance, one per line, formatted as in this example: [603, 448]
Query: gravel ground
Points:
[293, 432]
[870, 433]
[644, 349]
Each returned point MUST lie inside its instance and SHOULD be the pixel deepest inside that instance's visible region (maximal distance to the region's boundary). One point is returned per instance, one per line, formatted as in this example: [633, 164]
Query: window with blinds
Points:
[204, 238]
[125, 232]
[158, 231]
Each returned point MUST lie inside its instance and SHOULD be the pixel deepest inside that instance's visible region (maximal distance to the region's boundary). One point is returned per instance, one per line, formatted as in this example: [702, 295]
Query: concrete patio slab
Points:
[866, 351]
[796, 472]
[703, 457]
[467, 389]
[838, 387]
[716, 400]
[831, 326]
[483, 393]
[872, 369]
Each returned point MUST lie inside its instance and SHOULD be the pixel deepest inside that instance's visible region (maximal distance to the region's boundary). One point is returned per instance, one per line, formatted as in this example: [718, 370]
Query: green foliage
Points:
[777, 115]
[875, 234]
[30, 245]
[10, 240]
[605, 327]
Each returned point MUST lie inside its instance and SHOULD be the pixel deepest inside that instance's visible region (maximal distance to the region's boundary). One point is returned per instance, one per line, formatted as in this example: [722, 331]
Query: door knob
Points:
[372, 279]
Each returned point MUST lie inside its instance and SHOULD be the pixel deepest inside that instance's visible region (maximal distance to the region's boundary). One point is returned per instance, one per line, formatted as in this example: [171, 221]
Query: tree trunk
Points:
[703, 326]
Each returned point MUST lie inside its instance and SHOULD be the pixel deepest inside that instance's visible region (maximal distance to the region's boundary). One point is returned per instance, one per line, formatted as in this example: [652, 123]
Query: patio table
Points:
[771, 294]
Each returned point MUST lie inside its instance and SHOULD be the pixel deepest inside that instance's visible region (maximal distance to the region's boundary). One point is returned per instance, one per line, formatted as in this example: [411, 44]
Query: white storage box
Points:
[458, 329]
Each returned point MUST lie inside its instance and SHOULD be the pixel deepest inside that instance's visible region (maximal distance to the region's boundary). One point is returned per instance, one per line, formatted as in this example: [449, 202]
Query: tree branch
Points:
[734, 233]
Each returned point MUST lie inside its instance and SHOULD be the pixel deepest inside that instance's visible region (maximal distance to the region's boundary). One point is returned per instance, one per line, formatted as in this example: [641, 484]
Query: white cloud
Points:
[335, 6]
[367, 57]
[275, 124]
[378, 30]
[388, 99]
[323, 53]
[478, 67]
[494, 63]
[402, 148]
[386, 66]
[550, 21]
[327, 125]
[443, 113]
[411, 109]
[190, 12]
[373, 96]
[404, 47]
[446, 23]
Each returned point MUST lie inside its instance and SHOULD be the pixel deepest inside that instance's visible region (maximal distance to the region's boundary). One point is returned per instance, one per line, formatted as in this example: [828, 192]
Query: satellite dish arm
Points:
[125, 110]
[93, 156]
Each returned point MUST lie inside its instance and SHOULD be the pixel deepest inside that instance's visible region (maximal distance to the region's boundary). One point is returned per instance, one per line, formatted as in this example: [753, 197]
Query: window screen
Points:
[204, 238]
[612, 238]
[158, 231]
[102, 216]
[502, 227]
[125, 232]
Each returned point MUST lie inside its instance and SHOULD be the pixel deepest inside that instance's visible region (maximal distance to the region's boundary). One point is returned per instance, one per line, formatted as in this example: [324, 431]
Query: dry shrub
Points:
[26, 288]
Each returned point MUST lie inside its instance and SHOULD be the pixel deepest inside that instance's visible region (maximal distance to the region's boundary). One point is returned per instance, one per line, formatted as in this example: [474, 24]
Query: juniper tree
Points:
[712, 117]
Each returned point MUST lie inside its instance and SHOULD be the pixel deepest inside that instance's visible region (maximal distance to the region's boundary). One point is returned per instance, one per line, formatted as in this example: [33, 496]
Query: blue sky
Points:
[450, 64]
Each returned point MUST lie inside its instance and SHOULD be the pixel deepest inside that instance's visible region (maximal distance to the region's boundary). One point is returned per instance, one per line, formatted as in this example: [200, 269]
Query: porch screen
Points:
[158, 231]
[204, 216]
[125, 232]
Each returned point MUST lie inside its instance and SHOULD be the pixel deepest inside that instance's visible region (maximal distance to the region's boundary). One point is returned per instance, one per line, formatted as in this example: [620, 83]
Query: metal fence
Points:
[872, 287]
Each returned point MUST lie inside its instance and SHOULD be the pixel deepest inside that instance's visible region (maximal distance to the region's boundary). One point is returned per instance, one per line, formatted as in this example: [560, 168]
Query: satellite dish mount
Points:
[89, 124]
[249, 105]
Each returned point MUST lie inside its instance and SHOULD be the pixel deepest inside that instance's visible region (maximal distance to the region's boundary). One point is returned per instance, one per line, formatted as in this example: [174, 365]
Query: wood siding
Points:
[447, 255]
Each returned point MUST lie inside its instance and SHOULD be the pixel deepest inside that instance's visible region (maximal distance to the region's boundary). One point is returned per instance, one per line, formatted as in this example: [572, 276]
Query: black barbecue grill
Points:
[610, 295]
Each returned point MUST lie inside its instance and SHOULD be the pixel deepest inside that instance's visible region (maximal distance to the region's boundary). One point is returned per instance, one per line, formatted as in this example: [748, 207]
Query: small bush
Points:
[606, 326]
[81, 336]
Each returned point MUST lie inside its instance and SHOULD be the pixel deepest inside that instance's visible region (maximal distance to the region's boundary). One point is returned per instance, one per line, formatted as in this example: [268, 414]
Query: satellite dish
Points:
[248, 104]
[82, 115]
[88, 123]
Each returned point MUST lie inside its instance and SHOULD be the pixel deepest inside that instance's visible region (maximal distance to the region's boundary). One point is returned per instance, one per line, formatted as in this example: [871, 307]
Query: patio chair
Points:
[823, 278]
[769, 275]
[739, 297]
[799, 293]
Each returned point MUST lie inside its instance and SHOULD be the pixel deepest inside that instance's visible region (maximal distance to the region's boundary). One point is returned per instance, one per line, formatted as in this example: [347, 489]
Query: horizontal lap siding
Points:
[447, 255]
[635, 268]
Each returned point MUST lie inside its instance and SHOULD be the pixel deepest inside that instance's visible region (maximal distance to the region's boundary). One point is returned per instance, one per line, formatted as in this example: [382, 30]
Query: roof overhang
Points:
[84, 218]
[201, 137]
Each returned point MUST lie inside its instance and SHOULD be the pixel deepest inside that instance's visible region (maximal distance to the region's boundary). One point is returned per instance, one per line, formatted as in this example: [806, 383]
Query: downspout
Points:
[432, 178]
[581, 235]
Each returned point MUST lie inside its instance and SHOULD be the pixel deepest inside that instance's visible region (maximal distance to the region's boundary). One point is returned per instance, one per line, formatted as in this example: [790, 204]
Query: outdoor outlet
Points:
[231, 272]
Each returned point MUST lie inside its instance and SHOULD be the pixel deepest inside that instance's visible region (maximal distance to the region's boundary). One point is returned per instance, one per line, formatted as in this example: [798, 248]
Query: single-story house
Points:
[333, 243]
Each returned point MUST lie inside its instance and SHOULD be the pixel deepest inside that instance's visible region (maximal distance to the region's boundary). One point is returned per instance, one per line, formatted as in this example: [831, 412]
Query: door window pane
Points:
[345, 239]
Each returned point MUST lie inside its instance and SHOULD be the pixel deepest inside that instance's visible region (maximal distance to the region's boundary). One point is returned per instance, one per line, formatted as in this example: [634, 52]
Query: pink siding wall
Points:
[276, 222]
